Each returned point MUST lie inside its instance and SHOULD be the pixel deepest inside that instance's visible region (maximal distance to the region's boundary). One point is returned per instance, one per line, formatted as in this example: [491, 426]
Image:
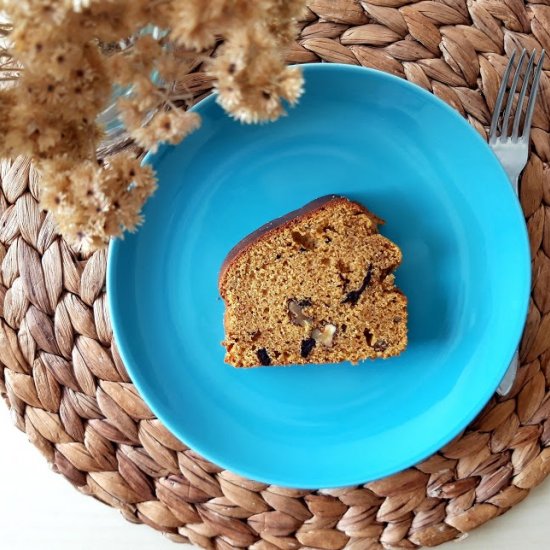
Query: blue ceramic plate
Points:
[448, 205]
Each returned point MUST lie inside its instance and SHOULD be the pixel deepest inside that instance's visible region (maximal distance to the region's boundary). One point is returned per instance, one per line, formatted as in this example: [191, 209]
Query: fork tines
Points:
[531, 79]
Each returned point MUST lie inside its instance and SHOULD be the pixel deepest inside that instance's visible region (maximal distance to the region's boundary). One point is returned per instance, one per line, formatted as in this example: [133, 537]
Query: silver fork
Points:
[512, 147]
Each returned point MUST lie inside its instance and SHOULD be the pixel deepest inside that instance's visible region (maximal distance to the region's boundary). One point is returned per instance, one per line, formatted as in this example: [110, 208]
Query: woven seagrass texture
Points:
[67, 387]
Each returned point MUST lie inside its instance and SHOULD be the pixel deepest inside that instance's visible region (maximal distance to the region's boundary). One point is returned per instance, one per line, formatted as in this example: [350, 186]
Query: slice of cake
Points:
[315, 286]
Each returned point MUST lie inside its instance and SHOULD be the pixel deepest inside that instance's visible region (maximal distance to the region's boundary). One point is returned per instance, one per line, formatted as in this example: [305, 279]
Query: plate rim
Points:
[339, 480]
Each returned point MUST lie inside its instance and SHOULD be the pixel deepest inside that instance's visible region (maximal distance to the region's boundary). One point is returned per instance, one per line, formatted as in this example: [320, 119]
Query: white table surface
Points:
[40, 510]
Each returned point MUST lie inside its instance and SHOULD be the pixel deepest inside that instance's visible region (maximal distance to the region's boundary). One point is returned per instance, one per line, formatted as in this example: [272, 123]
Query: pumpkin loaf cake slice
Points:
[315, 286]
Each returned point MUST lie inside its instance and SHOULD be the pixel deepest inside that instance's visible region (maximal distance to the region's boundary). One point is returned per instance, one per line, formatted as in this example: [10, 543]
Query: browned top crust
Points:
[280, 223]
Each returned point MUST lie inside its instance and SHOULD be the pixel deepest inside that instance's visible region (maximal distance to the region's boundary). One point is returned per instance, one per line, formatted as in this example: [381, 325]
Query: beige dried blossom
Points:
[83, 50]
[93, 201]
[199, 24]
[252, 78]
[277, 17]
[166, 126]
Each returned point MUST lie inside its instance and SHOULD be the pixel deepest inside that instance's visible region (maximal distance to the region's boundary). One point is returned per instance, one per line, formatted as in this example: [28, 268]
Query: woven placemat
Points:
[68, 389]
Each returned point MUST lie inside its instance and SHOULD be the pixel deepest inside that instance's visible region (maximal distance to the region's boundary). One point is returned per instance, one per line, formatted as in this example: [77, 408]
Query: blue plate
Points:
[466, 271]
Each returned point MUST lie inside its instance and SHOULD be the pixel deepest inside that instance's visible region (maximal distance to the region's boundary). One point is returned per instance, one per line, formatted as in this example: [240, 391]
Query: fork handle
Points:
[515, 184]
[508, 381]
[510, 375]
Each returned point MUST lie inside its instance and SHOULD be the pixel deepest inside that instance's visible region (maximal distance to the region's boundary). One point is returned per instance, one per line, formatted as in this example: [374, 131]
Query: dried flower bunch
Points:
[74, 53]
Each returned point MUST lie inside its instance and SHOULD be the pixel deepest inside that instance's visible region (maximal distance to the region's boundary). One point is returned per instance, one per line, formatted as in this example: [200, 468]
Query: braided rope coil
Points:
[67, 388]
